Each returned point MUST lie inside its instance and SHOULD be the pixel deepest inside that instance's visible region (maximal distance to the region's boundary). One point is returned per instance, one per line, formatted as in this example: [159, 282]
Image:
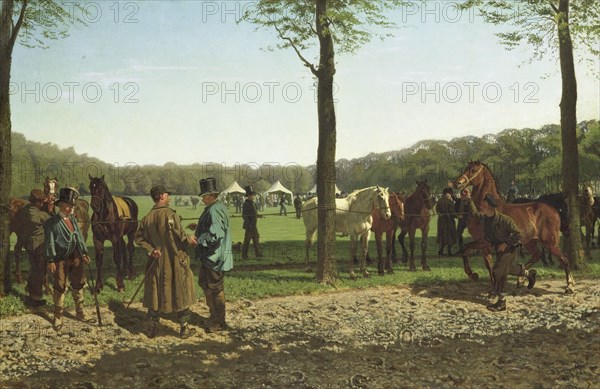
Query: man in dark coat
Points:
[169, 285]
[298, 206]
[502, 232]
[66, 252]
[250, 217]
[31, 220]
[446, 229]
[462, 208]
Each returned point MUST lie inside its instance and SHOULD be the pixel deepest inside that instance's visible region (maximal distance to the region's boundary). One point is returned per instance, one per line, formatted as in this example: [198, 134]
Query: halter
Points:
[473, 177]
[101, 208]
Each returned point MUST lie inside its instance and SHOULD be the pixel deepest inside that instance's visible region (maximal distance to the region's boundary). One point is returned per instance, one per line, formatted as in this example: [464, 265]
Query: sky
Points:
[151, 82]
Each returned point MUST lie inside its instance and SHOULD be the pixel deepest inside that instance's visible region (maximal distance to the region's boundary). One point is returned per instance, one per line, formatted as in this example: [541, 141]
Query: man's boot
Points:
[153, 319]
[59, 300]
[218, 322]
[78, 300]
[184, 330]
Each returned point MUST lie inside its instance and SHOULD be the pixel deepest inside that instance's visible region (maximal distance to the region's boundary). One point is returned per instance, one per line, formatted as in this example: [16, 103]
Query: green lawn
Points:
[282, 271]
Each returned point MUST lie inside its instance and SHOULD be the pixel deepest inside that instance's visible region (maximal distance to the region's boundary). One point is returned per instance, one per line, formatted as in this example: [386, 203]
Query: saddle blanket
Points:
[122, 208]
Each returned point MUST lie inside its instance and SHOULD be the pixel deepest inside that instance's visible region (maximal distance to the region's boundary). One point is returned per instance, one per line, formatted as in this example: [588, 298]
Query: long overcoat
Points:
[169, 286]
[446, 229]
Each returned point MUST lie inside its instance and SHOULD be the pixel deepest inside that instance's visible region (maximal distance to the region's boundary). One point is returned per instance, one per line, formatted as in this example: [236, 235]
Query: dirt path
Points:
[387, 337]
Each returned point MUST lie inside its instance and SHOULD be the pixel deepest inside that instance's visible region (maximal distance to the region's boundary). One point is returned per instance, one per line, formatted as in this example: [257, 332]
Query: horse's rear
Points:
[15, 226]
[388, 227]
[310, 219]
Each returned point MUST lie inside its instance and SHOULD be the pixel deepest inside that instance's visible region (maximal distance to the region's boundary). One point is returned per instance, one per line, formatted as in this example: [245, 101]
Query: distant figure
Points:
[195, 201]
[512, 191]
[446, 230]
[462, 208]
[250, 216]
[237, 201]
[298, 206]
[282, 208]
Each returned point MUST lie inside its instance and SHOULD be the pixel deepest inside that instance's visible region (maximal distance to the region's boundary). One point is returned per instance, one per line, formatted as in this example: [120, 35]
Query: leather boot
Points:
[531, 278]
[78, 300]
[208, 294]
[59, 300]
[218, 323]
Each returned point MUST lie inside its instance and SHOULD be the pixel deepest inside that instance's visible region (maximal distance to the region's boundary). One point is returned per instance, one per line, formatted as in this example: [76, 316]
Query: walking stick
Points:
[95, 294]
[142, 283]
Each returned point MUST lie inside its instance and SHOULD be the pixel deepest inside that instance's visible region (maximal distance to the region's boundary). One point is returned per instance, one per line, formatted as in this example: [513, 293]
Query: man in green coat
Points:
[169, 284]
[502, 232]
[214, 253]
[31, 219]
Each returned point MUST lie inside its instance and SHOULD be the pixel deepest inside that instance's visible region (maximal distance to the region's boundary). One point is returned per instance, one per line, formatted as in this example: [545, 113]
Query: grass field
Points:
[282, 270]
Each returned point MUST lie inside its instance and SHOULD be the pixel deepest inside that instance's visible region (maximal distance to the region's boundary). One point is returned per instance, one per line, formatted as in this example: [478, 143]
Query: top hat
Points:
[448, 190]
[157, 190]
[249, 190]
[490, 200]
[208, 186]
[36, 195]
[67, 195]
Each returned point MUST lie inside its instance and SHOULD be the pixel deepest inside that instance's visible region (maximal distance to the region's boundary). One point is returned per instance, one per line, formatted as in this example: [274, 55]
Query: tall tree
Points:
[32, 24]
[300, 25]
[551, 26]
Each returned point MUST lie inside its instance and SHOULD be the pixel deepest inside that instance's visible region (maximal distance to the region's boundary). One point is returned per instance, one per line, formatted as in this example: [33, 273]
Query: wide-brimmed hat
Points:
[157, 190]
[67, 195]
[491, 200]
[249, 190]
[208, 186]
[36, 195]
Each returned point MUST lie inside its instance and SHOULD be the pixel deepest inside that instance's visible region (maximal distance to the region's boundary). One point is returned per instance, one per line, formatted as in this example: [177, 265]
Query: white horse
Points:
[352, 217]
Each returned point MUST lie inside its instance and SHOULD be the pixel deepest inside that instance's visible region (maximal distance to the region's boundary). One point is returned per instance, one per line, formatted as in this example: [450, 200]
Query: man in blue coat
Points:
[214, 253]
[66, 252]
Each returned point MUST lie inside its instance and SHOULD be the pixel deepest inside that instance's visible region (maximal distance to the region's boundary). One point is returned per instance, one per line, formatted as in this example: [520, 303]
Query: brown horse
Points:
[388, 226]
[14, 207]
[537, 221]
[114, 217]
[416, 216]
[587, 217]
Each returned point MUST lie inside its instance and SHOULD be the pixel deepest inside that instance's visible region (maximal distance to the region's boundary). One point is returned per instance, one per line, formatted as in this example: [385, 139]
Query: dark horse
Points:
[110, 224]
[537, 222]
[416, 215]
[388, 226]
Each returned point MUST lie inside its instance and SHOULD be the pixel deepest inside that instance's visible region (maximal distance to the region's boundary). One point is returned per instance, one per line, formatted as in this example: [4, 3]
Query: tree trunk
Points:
[568, 124]
[5, 141]
[326, 175]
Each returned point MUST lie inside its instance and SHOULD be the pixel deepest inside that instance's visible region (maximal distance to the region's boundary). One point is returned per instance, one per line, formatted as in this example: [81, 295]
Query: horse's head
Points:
[51, 188]
[382, 202]
[423, 192]
[397, 207]
[98, 190]
[587, 196]
[471, 175]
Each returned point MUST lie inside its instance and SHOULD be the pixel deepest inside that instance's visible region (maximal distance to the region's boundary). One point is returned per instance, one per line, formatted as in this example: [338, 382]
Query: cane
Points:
[95, 294]
[142, 283]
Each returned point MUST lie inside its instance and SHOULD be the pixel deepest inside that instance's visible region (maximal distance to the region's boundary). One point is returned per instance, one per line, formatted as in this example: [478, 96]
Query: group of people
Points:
[448, 209]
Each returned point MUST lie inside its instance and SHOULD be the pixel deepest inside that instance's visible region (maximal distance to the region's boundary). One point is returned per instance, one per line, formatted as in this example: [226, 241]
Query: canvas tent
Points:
[278, 188]
[314, 189]
[234, 188]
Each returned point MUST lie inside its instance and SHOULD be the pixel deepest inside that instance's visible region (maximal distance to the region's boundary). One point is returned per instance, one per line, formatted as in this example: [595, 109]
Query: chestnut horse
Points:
[416, 216]
[352, 217]
[388, 226]
[537, 221]
[587, 217]
[109, 224]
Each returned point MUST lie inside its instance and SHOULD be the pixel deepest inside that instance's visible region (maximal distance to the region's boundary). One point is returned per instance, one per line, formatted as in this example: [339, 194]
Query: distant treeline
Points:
[531, 157]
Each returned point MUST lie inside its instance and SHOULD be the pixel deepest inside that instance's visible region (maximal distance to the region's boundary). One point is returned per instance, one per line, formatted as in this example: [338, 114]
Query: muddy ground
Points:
[440, 336]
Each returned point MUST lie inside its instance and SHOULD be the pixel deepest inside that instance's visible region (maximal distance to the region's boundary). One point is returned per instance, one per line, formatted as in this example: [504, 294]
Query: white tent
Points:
[314, 189]
[278, 188]
[234, 188]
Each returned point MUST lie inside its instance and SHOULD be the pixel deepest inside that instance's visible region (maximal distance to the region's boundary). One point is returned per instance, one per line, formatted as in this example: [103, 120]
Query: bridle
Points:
[472, 177]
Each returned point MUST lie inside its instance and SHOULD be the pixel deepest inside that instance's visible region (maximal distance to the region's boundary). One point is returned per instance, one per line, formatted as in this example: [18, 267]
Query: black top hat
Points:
[157, 190]
[208, 186]
[491, 200]
[249, 190]
[67, 195]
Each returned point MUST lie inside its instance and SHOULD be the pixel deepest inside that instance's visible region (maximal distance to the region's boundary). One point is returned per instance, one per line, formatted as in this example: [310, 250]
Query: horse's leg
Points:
[467, 264]
[364, 241]
[353, 244]
[380, 267]
[424, 233]
[129, 255]
[401, 237]
[570, 289]
[389, 245]
[411, 245]
[488, 261]
[393, 246]
[309, 241]
[531, 246]
[99, 248]
[118, 248]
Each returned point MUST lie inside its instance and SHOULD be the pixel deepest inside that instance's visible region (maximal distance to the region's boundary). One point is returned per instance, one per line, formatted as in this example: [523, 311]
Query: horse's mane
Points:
[357, 191]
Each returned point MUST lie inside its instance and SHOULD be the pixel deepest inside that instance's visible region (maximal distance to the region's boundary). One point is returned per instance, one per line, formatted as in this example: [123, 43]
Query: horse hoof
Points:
[569, 290]
[352, 276]
[474, 277]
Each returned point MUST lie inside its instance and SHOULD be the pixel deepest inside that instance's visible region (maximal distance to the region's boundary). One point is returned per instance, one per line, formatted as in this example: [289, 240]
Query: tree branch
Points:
[17, 27]
[291, 42]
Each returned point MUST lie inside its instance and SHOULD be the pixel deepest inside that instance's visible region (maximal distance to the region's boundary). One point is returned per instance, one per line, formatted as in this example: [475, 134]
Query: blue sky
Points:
[150, 82]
